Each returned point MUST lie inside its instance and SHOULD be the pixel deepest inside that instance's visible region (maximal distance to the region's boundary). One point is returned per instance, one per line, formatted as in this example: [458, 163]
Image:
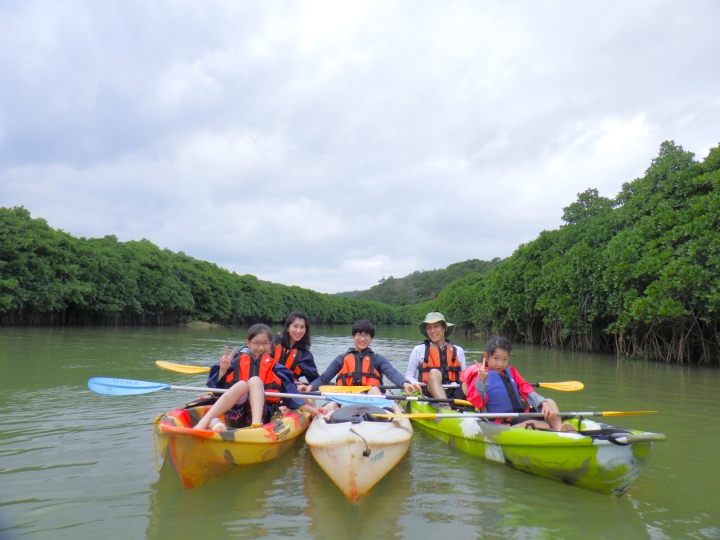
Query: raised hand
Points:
[225, 361]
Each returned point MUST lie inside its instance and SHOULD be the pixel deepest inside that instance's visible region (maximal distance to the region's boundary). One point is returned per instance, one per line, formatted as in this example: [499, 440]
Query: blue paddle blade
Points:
[123, 387]
[354, 399]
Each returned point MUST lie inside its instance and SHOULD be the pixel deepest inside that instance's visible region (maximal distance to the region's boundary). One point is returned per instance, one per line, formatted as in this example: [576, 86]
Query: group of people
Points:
[269, 364]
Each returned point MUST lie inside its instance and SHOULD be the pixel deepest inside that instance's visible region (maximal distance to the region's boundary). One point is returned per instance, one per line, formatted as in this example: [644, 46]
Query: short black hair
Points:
[498, 342]
[363, 326]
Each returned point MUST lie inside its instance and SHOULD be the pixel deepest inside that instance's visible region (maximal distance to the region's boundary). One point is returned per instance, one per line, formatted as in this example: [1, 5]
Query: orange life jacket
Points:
[357, 371]
[246, 366]
[445, 359]
[288, 358]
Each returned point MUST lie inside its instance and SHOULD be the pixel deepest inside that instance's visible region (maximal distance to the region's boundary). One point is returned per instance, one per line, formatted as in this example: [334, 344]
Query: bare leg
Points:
[375, 391]
[435, 384]
[555, 424]
[257, 399]
[224, 404]
[331, 406]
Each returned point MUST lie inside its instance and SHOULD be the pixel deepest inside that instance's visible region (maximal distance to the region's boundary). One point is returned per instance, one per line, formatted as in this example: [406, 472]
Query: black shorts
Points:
[240, 416]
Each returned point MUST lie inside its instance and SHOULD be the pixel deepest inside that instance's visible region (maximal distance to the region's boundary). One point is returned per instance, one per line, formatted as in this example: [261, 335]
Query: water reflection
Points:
[375, 515]
[77, 465]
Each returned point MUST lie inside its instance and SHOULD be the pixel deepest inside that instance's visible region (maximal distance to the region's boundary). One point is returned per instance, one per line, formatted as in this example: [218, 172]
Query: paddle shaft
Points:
[568, 386]
[431, 416]
[132, 386]
[315, 396]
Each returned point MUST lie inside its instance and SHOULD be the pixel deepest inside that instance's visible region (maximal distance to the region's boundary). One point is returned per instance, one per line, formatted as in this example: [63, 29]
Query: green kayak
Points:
[600, 458]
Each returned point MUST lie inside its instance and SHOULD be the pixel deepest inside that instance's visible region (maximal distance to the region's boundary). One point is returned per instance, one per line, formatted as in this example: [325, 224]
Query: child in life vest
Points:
[360, 366]
[249, 375]
[497, 388]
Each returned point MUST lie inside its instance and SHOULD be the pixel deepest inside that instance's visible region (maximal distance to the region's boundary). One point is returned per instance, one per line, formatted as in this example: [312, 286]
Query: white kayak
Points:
[356, 450]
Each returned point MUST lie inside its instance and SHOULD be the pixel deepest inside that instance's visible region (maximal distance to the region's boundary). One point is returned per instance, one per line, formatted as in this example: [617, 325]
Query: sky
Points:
[331, 144]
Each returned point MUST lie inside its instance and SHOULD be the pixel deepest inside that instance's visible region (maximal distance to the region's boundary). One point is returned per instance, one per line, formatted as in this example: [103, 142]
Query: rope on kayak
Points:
[366, 452]
[156, 435]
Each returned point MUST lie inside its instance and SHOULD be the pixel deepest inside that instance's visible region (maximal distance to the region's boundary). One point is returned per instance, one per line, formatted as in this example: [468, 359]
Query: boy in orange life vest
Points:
[359, 366]
[251, 373]
[436, 361]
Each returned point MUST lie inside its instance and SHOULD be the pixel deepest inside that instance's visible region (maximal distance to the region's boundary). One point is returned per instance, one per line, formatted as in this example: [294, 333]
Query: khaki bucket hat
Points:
[434, 317]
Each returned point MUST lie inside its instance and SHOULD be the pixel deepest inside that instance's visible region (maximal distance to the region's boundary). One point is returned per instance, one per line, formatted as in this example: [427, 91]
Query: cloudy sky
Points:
[329, 144]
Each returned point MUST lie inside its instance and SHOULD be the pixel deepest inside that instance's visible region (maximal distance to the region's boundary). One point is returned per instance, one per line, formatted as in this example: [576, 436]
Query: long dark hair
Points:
[304, 343]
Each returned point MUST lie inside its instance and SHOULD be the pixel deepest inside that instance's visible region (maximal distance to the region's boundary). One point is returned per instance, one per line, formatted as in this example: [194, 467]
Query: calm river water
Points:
[74, 464]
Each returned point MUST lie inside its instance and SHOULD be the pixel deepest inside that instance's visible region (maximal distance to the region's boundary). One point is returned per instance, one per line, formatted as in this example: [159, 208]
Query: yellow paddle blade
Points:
[463, 403]
[567, 386]
[625, 413]
[181, 368]
[344, 389]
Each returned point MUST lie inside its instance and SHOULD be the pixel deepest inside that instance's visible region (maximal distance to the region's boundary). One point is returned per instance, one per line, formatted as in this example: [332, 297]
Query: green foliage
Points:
[49, 277]
[421, 286]
[638, 275]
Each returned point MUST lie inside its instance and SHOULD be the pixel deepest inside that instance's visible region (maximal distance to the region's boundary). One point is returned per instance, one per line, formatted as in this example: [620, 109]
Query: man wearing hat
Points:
[436, 361]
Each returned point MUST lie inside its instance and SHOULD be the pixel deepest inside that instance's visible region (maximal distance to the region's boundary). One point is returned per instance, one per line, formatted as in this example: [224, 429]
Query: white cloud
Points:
[329, 144]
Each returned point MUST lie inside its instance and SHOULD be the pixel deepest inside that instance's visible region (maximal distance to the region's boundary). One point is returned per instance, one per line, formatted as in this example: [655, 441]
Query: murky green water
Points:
[74, 464]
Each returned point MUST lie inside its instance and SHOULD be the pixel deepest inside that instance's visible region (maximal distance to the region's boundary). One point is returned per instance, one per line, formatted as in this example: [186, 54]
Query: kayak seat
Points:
[357, 414]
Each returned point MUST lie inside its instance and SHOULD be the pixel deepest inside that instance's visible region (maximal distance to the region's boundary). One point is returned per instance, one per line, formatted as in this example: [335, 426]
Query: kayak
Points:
[600, 458]
[201, 455]
[355, 449]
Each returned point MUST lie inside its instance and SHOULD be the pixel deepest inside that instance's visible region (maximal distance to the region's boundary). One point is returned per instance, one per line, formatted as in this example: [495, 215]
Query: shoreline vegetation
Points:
[637, 275]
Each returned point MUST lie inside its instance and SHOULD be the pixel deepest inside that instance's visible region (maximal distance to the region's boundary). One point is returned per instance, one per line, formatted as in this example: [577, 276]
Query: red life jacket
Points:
[445, 359]
[245, 366]
[288, 358]
[357, 371]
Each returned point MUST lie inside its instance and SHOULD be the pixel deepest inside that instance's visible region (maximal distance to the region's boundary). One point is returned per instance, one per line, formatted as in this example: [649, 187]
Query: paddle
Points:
[430, 416]
[566, 386]
[358, 389]
[129, 387]
[181, 368]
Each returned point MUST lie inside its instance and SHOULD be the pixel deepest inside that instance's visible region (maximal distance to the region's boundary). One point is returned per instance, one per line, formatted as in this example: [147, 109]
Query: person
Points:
[248, 376]
[291, 347]
[436, 361]
[497, 388]
[360, 365]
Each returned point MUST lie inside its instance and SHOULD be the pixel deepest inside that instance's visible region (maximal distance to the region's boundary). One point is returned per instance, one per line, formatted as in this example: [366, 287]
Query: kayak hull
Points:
[202, 455]
[338, 449]
[592, 462]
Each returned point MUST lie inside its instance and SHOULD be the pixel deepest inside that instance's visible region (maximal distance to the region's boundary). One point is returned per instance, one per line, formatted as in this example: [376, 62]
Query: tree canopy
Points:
[50, 277]
[421, 285]
[638, 275]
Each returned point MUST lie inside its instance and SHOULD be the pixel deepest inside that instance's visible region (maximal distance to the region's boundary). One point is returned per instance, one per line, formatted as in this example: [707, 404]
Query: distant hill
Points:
[421, 285]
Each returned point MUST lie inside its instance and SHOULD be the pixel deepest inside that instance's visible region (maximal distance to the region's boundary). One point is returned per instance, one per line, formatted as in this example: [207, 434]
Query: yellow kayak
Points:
[201, 455]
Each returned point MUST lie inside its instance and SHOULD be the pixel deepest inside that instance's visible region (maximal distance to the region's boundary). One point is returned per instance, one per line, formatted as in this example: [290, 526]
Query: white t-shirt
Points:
[418, 355]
